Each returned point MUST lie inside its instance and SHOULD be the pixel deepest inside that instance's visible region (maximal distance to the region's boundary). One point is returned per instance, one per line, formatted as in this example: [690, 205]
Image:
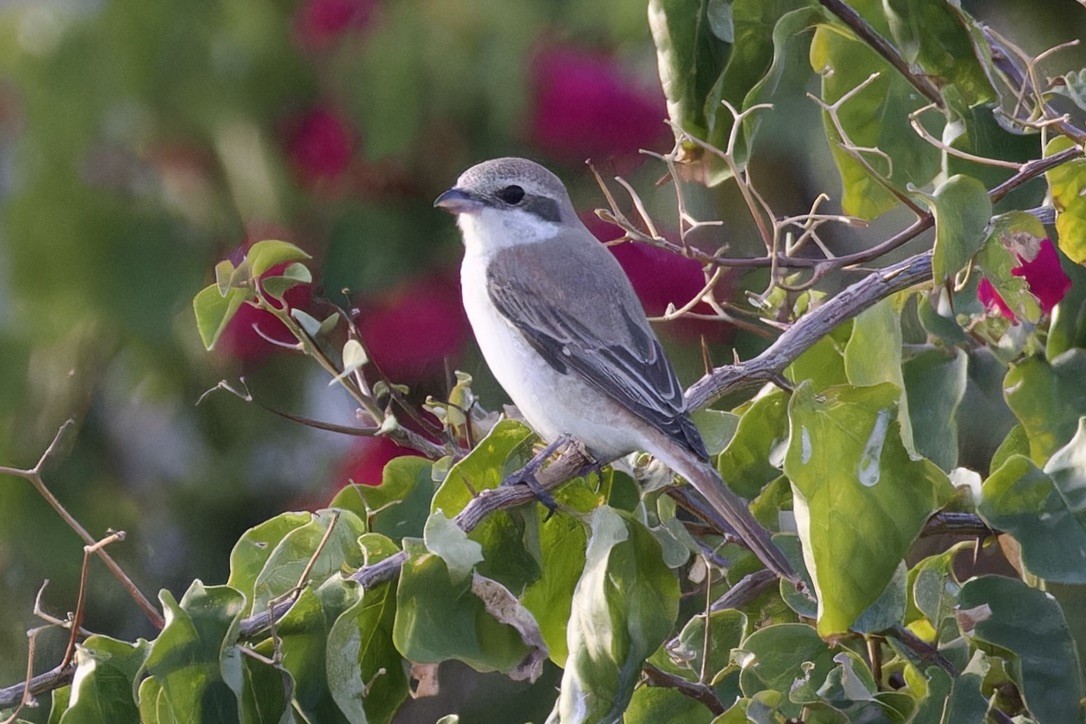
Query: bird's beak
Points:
[457, 201]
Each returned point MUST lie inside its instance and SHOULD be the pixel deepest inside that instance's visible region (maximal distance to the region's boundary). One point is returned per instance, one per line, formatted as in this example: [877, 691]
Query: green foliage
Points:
[615, 596]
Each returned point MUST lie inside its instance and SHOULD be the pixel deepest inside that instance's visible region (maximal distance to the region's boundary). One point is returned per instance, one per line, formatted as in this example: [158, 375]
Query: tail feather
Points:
[730, 506]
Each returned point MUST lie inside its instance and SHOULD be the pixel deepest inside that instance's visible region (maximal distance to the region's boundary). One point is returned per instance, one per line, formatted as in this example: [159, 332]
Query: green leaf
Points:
[438, 619]
[624, 607]
[295, 274]
[691, 59]
[302, 636]
[1015, 443]
[695, 652]
[1044, 510]
[298, 550]
[933, 588]
[824, 363]
[195, 659]
[400, 505]
[363, 664]
[263, 255]
[1068, 326]
[860, 499]
[755, 454]
[784, 658]
[251, 552]
[946, 44]
[877, 116]
[503, 533]
[962, 211]
[935, 382]
[1067, 185]
[562, 544]
[791, 47]
[888, 610]
[717, 428]
[102, 690]
[214, 311]
[1048, 398]
[266, 691]
[154, 706]
[873, 356]
[652, 705]
[443, 537]
[1029, 625]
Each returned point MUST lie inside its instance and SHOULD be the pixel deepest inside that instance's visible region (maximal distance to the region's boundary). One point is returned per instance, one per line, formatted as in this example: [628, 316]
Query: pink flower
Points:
[318, 24]
[1046, 278]
[584, 107]
[320, 145]
[411, 329]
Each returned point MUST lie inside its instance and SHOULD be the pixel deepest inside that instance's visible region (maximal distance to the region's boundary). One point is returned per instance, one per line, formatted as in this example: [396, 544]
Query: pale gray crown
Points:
[544, 194]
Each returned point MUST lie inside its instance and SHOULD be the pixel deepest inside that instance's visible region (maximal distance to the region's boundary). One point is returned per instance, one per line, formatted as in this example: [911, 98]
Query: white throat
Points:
[488, 230]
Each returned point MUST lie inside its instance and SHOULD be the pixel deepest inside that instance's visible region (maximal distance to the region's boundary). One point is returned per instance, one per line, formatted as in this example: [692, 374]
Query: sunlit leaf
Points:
[443, 537]
[651, 705]
[263, 255]
[624, 607]
[102, 690]
[562, 543]
[502, 534]
[1067, 184]
[214, 311]
[876, 117]
[325, 545]
[860, 499]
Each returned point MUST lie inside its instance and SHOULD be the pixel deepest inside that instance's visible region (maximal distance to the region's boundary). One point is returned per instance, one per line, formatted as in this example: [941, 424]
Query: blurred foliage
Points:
[143, 143]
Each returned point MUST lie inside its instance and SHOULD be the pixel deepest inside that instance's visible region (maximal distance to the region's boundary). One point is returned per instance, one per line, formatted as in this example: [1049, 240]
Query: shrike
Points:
[564, 333]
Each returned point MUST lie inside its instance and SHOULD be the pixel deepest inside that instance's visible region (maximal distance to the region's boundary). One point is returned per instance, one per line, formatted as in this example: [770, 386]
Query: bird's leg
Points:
[527, 474]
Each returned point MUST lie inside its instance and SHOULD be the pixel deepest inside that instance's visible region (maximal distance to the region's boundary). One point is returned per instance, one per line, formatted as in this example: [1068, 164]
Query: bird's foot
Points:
[527, 475]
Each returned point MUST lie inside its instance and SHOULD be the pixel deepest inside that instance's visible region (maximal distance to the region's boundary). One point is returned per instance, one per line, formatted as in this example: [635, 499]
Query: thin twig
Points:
[34, 477]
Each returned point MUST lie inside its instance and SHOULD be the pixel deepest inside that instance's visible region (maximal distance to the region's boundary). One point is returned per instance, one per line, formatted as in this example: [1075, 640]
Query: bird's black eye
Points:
[511, 194]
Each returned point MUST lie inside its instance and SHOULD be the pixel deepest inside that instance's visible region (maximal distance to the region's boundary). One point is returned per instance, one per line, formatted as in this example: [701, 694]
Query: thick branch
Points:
[802, 335]
[699, 692]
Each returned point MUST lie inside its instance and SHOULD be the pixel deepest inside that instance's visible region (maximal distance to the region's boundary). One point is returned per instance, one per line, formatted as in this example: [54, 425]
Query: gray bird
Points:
[564, 333]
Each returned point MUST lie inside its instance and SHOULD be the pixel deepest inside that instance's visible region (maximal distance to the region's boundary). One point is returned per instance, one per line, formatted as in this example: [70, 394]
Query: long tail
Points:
[730, 506]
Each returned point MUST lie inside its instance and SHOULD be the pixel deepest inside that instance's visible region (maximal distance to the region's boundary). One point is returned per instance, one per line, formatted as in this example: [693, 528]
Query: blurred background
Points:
[142, 142]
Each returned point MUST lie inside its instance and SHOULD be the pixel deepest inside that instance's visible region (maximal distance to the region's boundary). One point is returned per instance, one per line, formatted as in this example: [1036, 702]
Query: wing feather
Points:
[611, 346]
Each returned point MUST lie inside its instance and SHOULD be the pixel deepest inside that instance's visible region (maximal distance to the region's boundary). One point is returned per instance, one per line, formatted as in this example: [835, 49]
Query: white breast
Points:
[554, 404]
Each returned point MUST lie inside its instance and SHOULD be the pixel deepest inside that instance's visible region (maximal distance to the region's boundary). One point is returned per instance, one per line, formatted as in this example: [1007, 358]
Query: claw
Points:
[527, 475]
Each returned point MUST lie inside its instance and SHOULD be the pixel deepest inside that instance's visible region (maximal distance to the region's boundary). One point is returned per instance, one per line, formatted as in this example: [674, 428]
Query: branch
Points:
[880, 45]
[802, 335]
[878, 285]
[33, 476]
[699, 692]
